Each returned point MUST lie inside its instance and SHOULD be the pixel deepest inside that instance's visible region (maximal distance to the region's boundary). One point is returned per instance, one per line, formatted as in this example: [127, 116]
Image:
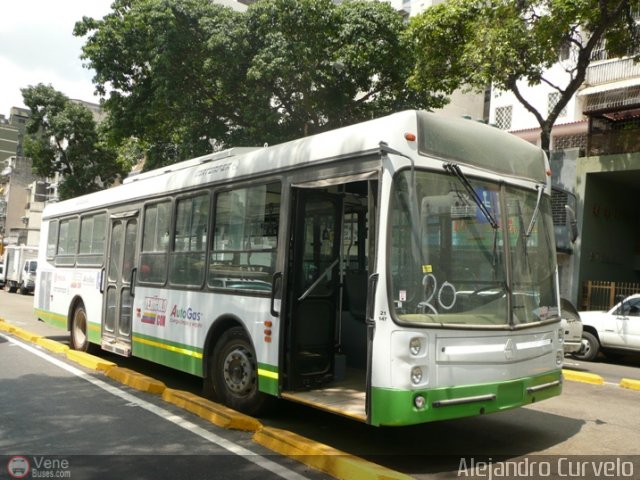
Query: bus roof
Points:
[461, 140]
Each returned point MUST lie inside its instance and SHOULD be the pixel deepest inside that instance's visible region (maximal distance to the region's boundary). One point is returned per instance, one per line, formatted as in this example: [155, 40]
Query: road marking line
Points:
[228, 445]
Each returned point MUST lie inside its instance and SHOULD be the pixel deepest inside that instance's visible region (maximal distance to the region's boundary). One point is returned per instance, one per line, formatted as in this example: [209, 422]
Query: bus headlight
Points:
[559, 357]
[415, 346]
[560, 335]
[419, 402]
[416, 375]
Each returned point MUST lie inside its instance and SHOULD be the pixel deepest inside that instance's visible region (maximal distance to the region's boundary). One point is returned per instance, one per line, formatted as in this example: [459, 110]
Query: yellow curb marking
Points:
[136, 380]
[52, 345]
[213, 412]
[322, 457]
[89, 361]
[25, 335]
[6, 327]
[630, 384]
[583, 377]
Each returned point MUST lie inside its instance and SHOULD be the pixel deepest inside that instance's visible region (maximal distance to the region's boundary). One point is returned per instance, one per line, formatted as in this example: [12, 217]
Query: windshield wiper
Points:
[454, 170]
[536, 210]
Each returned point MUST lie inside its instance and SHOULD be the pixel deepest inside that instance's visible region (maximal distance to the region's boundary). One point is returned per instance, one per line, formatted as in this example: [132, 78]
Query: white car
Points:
[617, 330]
[572, 328]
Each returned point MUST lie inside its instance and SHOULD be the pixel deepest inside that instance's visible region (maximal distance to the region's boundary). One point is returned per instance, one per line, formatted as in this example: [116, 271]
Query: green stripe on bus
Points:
[52, 318]
[396, 407]
[94, 330]
[94, 333]
[180, 356]
[268, 378]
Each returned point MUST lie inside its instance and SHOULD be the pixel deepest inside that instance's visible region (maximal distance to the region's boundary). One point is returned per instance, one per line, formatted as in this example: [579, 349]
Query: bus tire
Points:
[79, 339]
[234, 373]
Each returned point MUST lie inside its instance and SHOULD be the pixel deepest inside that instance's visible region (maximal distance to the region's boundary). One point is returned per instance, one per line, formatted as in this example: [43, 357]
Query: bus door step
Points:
[116, 347]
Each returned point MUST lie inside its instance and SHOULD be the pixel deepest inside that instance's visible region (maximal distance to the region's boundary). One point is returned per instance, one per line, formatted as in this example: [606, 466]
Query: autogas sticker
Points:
[188, 316]
[427, 268]
[402, 295]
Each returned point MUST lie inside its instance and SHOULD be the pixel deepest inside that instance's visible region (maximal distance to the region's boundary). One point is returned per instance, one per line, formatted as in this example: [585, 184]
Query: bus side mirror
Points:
[572, 223]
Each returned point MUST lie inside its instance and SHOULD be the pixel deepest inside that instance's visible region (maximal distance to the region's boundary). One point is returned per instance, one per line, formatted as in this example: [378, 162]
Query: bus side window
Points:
[245, 238]
[187, 265]
[155, 243]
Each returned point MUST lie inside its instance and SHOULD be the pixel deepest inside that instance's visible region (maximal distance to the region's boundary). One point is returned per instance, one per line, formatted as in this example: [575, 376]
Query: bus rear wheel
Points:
[79, 338]
[234, 373]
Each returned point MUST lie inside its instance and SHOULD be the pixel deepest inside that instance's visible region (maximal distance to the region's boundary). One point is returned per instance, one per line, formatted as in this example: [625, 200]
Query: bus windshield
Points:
[470, 252]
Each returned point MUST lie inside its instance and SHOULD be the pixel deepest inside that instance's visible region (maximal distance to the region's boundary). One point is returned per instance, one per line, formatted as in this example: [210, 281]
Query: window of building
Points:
[92, 239]
[503, 117]
[552, 100]
[155, 243]
[188, 258]
[245, 239]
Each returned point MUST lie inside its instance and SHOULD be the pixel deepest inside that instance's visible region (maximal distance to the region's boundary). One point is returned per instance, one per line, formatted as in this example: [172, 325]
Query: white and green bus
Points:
[398, 271]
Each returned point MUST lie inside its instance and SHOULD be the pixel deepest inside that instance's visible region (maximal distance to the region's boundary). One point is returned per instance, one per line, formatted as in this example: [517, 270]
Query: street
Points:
[57, 414]
[40, 417]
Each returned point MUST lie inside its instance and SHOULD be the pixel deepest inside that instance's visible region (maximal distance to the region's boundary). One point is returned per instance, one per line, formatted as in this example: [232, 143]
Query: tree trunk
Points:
[545, 138]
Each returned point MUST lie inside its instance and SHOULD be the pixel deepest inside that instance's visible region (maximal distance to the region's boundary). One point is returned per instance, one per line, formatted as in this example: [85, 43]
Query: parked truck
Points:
[20, 265]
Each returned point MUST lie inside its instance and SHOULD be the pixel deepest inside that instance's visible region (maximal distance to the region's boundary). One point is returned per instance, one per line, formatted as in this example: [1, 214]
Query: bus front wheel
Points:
[235, 374]
[79, 338]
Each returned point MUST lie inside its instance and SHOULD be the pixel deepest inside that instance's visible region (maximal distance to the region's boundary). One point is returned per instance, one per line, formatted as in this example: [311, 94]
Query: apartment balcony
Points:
[614, 70]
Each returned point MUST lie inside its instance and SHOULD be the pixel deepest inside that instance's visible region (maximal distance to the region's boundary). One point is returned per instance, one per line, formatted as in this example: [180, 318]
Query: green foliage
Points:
[151, 55]
[180, 73]
[63, 138]
[475, 43]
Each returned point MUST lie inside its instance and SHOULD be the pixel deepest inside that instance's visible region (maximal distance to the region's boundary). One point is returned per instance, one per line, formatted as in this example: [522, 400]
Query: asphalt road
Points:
[52, 412]
[585, 420]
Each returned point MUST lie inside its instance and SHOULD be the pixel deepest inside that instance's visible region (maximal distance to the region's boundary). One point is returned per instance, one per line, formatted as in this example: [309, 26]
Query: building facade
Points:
[594, 155]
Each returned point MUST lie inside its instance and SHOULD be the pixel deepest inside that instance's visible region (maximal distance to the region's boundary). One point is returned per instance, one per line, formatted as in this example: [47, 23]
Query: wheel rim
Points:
[239, 374]
[587, 347]
[79, 329]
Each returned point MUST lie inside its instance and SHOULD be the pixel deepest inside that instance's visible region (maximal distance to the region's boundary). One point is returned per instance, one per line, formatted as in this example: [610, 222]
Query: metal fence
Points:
[601, 295]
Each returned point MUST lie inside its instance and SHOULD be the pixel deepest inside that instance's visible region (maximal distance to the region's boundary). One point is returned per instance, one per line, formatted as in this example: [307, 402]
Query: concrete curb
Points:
[89, 361]
[136, 380]
[321, 457]
[630, 384]
[5, 327]
[52, 345]
[213, 412]
[583, 377]
[26, 335]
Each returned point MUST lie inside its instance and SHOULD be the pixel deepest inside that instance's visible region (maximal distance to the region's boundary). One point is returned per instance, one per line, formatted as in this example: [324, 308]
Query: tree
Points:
[150, 56]
[63, 138]
[182, 73]
[316, 66]
[475, 43]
